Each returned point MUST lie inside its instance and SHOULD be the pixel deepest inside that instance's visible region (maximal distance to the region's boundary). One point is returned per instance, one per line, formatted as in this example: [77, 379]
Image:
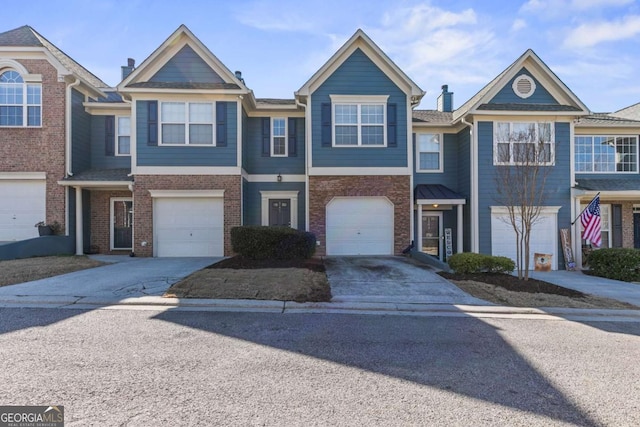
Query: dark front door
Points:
[122, 217]
[636, 230]
[280, 212]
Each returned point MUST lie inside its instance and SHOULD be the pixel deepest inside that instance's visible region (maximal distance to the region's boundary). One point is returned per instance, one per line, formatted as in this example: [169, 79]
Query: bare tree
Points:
[524, 156]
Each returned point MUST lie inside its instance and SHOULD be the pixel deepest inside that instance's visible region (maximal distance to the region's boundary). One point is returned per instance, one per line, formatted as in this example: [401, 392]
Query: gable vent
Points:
[524, 86]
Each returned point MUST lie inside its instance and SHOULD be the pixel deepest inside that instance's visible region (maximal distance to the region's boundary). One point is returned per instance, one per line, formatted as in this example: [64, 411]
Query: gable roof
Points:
[632, 112]
[141, 77]
[541, 71]
[606, 120]
[26, 36]
[375, 54]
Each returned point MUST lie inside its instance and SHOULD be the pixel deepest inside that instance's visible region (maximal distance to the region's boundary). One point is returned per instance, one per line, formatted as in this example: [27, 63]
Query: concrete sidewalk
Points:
[599, 286]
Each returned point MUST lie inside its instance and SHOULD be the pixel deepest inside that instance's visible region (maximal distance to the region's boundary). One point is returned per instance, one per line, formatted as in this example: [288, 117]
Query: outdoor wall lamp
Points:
[279, 178]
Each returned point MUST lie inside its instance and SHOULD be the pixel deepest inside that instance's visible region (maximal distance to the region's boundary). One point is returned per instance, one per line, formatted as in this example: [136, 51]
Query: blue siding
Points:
[253, 200]
[186, 66]
[540, 96]
[449, 177]
[80, 134]
[626, 176]
[358, 75]
[99, 160]
[255, 163]
[557, 185]
[187, 155]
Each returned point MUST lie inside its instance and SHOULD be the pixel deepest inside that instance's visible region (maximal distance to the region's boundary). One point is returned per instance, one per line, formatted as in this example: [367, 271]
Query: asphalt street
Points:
[154, 367]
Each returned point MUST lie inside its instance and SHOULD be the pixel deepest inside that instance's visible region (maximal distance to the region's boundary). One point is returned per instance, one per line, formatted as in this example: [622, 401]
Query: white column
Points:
[459, 245]
[79, 236]
[576, 237]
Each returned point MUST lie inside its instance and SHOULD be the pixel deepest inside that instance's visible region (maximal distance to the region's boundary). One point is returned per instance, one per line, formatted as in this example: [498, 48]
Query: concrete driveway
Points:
[124, 277]
[391, 279]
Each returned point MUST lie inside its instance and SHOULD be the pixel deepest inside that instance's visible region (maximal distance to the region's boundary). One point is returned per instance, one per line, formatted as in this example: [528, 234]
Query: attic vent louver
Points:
[524, 86]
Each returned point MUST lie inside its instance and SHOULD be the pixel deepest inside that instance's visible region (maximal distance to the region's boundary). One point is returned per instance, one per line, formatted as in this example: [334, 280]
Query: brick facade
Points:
[396, 188]
[101, 221]
[627, 219]
[143, 203]
[41, 149]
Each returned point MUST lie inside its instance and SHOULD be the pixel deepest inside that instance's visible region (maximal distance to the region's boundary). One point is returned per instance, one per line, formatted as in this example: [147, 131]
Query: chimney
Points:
[239, 76]
[445, 100]
[128, 69]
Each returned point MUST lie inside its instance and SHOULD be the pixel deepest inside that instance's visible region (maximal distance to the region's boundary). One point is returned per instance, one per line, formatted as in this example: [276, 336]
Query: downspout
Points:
[68, 127]
[306, 165]
[67, 146]
[474, 187]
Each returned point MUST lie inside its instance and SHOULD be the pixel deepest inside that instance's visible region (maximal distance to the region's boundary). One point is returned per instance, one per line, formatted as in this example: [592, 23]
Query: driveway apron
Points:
[391, 279]
[124, 277]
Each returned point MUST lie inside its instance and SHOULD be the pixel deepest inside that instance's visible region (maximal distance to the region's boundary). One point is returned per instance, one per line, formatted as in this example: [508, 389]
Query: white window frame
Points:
[186, 124]
[511, 162]
[25, 101]
[117, 139]
[593, 155]
[440, 152]
[359, 101]
[286, 137]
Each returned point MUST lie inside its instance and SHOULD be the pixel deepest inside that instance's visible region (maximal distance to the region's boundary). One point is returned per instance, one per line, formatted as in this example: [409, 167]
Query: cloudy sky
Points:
[592, 45]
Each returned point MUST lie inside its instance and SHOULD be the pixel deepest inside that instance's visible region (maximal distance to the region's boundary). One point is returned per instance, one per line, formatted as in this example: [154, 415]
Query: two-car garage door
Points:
[23, 205]
[359, 226]
[188, 226]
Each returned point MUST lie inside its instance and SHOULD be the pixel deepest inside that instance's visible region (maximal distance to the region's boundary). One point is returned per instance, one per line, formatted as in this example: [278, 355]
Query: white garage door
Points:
[360, 226]
[188, 227]
[23, 205]
[543, 238]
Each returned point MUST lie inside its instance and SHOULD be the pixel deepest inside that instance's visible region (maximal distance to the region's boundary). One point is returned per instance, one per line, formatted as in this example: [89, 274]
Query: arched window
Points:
[20, 102]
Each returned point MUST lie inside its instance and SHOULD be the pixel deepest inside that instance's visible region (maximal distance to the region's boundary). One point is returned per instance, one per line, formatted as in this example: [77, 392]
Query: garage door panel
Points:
[24, 204]
[189, 226]
[360, 226]
[543, 238]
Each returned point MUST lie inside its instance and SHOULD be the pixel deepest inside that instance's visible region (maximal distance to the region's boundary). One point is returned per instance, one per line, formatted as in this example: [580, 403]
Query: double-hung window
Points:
[187, 123]
[606, 153]
[279, 137]
[523, 143]
[429, 152]
[359, 121]
[123, 143]
[20, 102]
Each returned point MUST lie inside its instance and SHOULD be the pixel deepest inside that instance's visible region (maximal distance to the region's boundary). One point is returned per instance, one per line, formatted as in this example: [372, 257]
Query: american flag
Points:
[590, 220]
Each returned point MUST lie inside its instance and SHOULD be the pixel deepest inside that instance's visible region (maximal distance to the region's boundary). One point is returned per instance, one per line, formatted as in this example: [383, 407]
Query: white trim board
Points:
[186, 193]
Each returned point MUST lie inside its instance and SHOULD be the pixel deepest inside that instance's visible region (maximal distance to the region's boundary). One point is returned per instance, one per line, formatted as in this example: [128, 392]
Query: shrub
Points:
[615, 263]
[470, 263]
[500, 264]
[261, 242]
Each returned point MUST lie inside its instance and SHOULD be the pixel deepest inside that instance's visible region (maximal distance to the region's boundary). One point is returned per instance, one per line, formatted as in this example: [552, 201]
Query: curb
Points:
[339, 307]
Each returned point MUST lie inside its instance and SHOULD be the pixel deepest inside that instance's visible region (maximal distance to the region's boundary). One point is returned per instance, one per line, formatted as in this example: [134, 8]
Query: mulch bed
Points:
[239, 262]
[512, 283]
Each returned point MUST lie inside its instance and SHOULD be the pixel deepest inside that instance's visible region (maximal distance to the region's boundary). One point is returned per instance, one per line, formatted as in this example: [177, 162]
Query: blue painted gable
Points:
[358, 75]
[186, 66]
[506, 95]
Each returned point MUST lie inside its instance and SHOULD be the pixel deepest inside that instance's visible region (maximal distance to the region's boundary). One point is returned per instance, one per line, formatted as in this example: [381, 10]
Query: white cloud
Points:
[591, 34]
[267, 16]
[553, 6]
[518, 25]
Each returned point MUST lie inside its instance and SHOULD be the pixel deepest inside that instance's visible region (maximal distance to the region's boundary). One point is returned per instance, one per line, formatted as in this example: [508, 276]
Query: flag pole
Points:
[582, 211]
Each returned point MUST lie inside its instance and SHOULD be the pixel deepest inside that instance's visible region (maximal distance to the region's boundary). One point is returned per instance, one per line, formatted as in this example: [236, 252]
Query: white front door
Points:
[184, 226]
[359, 226]
[23, 205]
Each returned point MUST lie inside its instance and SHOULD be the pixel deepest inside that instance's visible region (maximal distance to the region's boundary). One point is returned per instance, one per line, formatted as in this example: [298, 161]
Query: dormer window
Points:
[20, 102]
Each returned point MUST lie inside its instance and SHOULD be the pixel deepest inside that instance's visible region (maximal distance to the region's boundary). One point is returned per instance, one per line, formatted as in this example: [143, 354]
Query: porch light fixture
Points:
[435, 205]
[279, 178]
